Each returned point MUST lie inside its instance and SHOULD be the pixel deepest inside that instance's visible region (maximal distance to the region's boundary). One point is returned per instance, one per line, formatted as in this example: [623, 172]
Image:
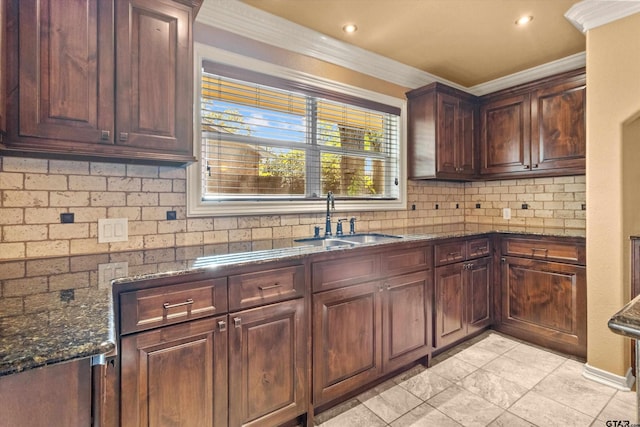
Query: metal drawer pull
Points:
[453, 254]
[237, 322]
[534, 250]
[222, 325]
[167, 306]
[266, 288]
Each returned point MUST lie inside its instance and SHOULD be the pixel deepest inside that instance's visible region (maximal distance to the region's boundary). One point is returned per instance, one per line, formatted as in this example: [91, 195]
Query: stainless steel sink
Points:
[351, 240]
[363, 238]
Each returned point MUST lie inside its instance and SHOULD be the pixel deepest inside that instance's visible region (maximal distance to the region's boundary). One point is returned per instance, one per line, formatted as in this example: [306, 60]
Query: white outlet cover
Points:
[506, 213]
[110, 271]
[113, 230]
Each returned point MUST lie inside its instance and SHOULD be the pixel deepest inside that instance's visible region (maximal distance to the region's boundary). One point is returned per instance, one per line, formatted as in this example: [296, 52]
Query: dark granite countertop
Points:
[627, 321]
[54, 310]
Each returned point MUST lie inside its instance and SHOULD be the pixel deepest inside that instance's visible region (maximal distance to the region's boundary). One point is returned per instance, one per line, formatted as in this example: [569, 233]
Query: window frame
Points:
[197, 207]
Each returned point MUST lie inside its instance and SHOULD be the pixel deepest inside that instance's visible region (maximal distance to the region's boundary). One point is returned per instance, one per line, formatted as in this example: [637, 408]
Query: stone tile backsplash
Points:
[34, 192]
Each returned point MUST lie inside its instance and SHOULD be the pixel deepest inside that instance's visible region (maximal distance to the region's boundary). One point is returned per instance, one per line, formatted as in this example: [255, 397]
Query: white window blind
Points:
[276, 141]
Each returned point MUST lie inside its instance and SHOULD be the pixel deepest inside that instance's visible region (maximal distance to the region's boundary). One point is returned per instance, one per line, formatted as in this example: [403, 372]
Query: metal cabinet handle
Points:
[124, 136]
[527, 167]
[222, 325]
[453, 254]
[167, 305]
[534, 250]
[237, 322]
[266, 288]
[105, 135]
[535, 165]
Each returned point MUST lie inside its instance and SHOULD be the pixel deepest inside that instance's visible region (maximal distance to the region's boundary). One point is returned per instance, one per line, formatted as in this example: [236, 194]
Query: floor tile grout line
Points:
[452, 353]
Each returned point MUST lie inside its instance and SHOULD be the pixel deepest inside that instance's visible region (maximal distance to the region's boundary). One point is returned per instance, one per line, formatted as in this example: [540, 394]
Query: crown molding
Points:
[239, 18]
[568, 63]
[589, 14]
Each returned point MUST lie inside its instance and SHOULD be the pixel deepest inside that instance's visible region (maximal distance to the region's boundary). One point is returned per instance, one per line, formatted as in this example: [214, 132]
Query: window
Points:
[266, 142]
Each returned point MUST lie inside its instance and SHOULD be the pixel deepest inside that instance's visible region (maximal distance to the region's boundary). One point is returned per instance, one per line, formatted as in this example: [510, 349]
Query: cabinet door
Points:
[154, 75]
[347, 335]
[51, 396]
[447, 134]
[267, 364]
[407, 319]
[479, 280]
[545, 302]
[466, 142]
[558, 126]
[450, 323]
[176, 375]
[505, 135]
[3, 68]
[64, 69]
[455, 138]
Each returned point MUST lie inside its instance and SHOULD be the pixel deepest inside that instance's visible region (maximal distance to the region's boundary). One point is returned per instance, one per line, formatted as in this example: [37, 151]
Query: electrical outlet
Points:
[113, 230]
[113, 270]
[506, 213]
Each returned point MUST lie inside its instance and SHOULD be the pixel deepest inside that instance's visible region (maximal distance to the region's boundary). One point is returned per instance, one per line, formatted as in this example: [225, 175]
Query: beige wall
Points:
[34, 192]
[613, 180]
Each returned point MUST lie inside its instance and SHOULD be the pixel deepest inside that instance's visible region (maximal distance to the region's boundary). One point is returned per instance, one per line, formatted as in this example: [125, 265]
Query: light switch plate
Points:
[506, 213]
[113, 230]
[113, 270]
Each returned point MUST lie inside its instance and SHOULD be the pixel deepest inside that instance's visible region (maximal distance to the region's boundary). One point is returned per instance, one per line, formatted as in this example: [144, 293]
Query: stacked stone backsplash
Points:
[34, 192]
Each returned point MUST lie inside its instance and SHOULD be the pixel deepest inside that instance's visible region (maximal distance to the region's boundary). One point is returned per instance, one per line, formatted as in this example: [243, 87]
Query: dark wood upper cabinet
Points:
[3, 69]
[109, 79]
[153, 75]
[558, 132]
[505, 140]
[441, 133]
[537, 129]
[61, 79]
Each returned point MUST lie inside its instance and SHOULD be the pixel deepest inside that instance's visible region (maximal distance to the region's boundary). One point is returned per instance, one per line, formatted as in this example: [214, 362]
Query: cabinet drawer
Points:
[265, 286]
[477, 248]
[344, 272]
[545, 249]
[407, 261]
[165, 305]
[447, 253]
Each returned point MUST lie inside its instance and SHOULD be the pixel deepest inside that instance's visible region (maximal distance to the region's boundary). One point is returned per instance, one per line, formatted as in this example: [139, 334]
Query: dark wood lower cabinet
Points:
[364, 331]
[462, 300]
[450, 323]
[176, 375]
[347, 340]
[406, 319]
[545, 302]
[267, 364]
[479, 295]
[52, 396]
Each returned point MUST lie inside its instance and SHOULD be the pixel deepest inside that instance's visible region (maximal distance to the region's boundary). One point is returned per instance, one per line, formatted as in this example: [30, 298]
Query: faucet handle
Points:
[339, 227]
[316, 231]
[352, 225]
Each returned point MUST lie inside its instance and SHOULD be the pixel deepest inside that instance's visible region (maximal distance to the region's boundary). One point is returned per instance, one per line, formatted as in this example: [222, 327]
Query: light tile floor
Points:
[491, 380]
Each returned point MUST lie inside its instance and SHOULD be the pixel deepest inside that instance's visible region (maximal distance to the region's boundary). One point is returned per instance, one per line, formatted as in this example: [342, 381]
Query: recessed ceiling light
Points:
[524, 20]
[350, 28]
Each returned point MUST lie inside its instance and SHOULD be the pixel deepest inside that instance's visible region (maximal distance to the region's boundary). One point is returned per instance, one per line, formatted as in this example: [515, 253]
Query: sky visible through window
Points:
[263, 123]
